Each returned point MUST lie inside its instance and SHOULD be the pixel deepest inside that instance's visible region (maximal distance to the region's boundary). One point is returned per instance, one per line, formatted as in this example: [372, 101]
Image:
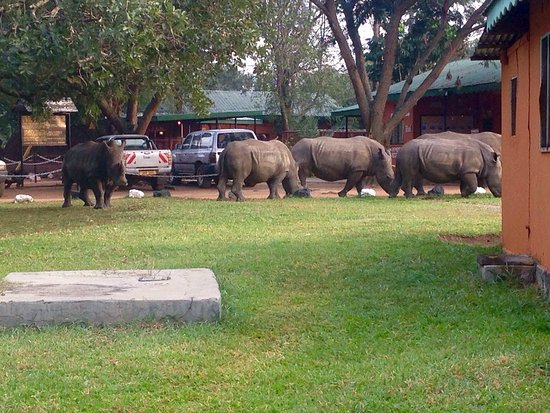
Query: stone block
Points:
[525, 274]
[109, 297]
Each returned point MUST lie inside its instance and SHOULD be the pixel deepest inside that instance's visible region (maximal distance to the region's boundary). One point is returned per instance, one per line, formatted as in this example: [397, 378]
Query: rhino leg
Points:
[99, 192]
[222, 183]
[67, 185]
[83, 195]
[353, 179]
[273, 184]
[468, 184]
[395, 185]
[237, 189]
[407, 187]
[107, 196]
[303, 174]
[419, 185]
[365, 181]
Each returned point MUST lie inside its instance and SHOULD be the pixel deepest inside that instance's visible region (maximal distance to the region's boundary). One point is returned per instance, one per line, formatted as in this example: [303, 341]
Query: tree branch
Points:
[423, 57]
[449, 52]
[149, 112]
[110, 113]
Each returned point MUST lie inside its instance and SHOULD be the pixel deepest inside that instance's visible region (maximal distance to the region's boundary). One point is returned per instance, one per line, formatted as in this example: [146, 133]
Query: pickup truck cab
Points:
[197, 156]
[144, 162]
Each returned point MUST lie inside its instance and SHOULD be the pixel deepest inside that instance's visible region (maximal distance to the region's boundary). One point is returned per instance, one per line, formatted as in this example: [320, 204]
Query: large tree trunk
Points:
[329, 10]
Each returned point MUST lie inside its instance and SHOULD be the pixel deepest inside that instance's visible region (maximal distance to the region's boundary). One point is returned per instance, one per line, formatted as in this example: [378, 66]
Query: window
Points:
[397, 135]
[544, 93]
[206, 140]
[187, 142]
[513, 103]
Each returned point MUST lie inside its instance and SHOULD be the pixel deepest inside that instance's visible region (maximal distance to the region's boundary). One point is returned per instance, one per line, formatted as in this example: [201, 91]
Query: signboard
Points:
[49, 132]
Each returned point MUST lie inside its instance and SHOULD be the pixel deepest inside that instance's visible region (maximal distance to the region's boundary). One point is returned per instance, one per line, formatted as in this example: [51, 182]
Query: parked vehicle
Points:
[144, 162]
[3, 176]
[197, 156]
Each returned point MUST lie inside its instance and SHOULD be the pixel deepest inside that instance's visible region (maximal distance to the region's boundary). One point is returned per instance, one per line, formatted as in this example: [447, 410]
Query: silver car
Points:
[197, 156]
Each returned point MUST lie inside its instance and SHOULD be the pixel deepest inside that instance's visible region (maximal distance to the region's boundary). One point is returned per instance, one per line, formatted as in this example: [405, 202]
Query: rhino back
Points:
[441, 160]
[85, 161]
[268, 159]
[494, 140]
[333, 159]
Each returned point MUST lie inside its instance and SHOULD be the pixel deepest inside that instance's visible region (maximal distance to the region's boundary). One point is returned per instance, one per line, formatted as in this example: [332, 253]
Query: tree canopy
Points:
[114, 57]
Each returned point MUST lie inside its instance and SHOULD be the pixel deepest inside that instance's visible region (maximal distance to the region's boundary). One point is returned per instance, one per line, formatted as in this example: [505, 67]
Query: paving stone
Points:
[109, 297]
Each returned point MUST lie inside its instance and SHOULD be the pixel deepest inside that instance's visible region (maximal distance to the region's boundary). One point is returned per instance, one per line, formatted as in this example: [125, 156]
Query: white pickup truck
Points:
[144, 162]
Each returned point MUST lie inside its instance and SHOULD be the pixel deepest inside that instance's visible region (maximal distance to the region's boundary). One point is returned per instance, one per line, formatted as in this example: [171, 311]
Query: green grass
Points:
[329, 305]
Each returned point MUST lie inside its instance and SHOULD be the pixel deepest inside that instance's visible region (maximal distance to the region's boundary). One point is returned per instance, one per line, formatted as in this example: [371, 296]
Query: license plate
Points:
[147, 172]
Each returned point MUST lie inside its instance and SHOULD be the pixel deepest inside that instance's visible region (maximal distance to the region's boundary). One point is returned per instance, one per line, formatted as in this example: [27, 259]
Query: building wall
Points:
[526, 170]
[515, 153]
[462, 113]
[539, 172]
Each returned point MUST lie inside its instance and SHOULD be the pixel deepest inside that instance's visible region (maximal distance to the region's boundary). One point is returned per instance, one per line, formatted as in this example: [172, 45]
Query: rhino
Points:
[494, 140]
[353, 159]
[442, 160]
[251, 161]
[99, 166]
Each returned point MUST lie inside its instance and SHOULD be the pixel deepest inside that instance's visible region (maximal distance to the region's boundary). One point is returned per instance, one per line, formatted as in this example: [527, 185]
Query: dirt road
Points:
[52, 190]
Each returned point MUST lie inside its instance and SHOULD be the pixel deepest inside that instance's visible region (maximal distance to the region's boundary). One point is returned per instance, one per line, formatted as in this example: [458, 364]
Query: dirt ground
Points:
[52, 190]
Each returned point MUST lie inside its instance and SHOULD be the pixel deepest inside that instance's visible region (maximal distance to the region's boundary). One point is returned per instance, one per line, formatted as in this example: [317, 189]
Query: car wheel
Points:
[203, 182]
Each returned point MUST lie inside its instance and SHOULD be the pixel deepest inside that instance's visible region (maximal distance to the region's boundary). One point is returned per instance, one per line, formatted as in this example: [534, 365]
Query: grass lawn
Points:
[328, 305]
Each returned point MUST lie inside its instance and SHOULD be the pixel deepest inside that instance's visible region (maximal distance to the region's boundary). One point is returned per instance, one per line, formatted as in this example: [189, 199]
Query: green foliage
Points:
[293, 61]
[417, 28]
[114, 51]
[331, 305]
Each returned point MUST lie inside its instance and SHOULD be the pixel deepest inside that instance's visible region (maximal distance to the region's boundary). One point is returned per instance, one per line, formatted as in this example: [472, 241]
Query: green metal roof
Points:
[507, 21]
[236, 104]
[461, 76]
[497, 10]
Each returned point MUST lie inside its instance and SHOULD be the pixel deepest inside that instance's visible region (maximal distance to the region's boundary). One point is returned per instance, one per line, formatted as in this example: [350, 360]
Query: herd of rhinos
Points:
[473, 160]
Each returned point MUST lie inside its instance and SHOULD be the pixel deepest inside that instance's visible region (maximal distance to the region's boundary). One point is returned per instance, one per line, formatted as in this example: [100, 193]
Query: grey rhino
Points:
[99, 166]
[352, 159]
[494, 140]
[442, 160]
[251, 161]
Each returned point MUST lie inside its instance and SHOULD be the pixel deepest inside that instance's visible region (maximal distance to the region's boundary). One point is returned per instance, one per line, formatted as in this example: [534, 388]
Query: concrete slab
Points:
[109, 297]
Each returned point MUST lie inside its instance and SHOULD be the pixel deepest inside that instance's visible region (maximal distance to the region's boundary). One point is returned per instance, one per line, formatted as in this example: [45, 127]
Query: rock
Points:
[437, 190]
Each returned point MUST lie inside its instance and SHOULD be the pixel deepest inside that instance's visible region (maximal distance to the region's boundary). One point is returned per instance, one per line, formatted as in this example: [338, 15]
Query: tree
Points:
[293, 48]
[441, 25]
[114, 57]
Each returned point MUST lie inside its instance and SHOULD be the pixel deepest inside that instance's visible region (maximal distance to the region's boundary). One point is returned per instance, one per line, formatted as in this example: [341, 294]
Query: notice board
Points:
[48, 132]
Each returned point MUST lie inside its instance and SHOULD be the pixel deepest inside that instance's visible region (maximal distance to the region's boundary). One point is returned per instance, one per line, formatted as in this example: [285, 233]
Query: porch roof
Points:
[461, 76]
